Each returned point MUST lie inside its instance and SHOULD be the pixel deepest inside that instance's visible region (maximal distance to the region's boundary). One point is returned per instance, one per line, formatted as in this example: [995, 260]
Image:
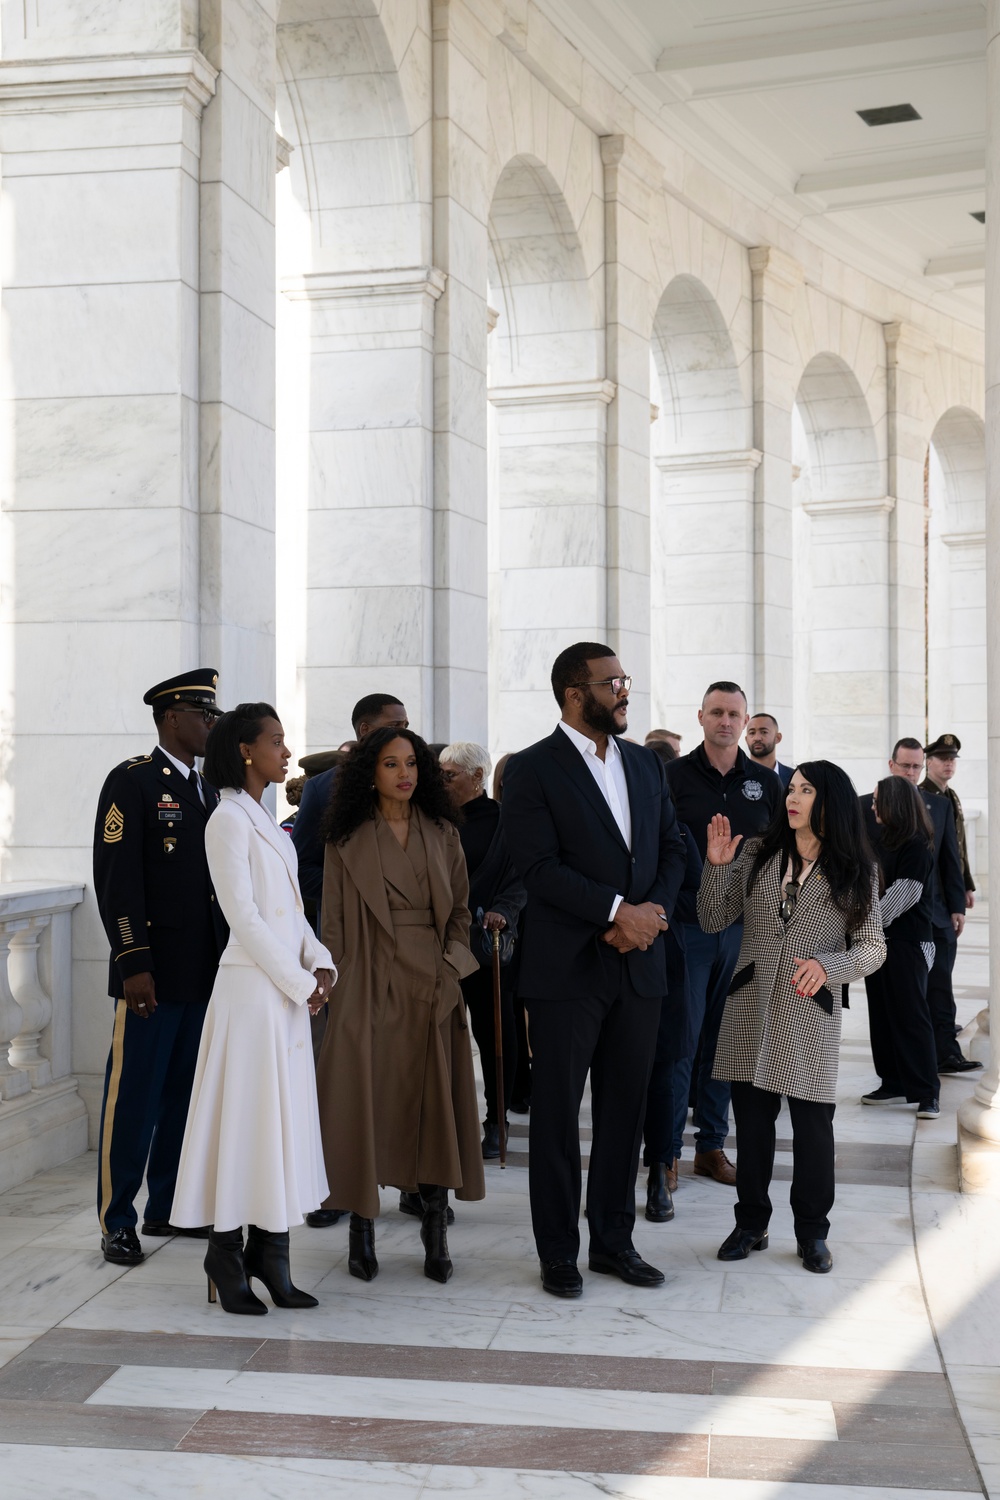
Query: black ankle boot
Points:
[227, 1275]
[266, 1257]
[659, 1203]
[434, 1233]
[361, 1260]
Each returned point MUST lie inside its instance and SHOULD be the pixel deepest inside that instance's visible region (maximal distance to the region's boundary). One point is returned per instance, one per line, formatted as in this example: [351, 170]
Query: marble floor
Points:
[746, 1382]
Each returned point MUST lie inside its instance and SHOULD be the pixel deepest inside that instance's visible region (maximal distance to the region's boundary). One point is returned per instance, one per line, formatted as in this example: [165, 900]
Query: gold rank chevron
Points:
[114, 825]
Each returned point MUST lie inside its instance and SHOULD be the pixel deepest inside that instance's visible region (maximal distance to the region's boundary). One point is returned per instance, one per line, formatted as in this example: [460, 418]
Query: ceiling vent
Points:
[980, 215]
[889, 114]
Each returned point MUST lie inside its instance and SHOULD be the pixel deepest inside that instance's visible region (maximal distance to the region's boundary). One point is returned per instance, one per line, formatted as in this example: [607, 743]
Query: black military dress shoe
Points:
[162, 1229]
[629, 1266]
[409, 1203]
[121, 1247]
[562, 1278]
[738, 1245]
[815, 1256]
[959, 1065]
[322, 1218]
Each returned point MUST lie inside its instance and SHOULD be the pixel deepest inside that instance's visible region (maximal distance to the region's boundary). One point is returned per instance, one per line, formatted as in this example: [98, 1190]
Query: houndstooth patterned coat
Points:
[771, 1036]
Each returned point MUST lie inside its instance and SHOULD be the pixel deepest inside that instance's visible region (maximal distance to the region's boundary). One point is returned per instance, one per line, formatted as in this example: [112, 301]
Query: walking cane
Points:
[498, 1043]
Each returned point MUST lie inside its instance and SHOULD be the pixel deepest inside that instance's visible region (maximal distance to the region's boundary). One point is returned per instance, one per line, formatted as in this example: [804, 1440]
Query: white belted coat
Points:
[252, 1152]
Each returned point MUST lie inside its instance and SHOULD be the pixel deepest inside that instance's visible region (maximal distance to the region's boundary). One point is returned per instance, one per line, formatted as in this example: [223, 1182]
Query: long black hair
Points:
[240, 726]
[354, 796]
[846, 857]
[901, 813]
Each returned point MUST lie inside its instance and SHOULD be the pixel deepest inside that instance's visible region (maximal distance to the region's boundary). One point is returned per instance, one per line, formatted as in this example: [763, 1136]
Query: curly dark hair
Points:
[846, 857]
[354, 798]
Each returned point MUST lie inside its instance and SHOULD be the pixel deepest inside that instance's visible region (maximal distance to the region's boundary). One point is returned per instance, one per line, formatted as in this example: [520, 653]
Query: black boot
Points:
[266, 1257]
[434, 1233]
[659, 1203]
[227, 1275]
[361, 1260]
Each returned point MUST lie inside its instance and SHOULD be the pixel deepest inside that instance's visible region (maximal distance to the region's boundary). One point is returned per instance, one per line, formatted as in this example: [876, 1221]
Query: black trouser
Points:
[755, 1111]
[658, 1123]
[899, 1023]
[147, 1090]
[941, 996]
[477, 991]
[615, 1039]
[521, 1083]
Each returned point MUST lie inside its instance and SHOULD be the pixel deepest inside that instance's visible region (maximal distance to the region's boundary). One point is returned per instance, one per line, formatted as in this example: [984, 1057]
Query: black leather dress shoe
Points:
[959, 1065]
[629, 1266]
[738, 1245]
[162, 1229]
[815, 1256]
[409, 1203]
[561, 1278]
[121, 1247]
[322, 1218]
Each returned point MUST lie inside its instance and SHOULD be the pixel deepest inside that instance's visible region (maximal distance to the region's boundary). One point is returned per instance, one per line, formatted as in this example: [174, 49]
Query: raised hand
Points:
[721, 846]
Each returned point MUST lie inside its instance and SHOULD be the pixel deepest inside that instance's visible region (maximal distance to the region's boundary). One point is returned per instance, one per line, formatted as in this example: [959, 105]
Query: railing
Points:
[42, 1118]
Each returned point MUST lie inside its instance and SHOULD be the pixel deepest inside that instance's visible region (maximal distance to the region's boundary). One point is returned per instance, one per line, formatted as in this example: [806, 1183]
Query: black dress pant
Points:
[615, 1039]
[477, 991]
[755, 1111]
[941, 996]
[899, 1021]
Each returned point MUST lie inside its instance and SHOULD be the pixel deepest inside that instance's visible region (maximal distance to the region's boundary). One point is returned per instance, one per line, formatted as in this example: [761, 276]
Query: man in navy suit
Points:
[591, 828]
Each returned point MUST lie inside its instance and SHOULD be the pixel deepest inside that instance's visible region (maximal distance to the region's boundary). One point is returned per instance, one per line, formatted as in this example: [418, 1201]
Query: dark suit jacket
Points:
[306, 836]
[572, 858]
[949, 882]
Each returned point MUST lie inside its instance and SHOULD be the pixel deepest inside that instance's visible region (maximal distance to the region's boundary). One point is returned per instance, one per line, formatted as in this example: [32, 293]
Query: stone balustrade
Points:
[43, 1120]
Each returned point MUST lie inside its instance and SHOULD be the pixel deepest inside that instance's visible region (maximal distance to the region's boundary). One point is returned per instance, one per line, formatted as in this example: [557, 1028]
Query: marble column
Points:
[703, 549]
[907, 349]
[777, 283]
[631, 175]
[979, 1115]
[847, 596]
[237, 350]
[462, 37]
[551, 537]
[364, 556]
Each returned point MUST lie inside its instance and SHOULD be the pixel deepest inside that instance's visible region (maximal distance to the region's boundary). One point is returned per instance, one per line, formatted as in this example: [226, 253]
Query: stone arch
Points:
[956, 591]
[548, 405]
[701, 511]
[354, 338]
[840, 572]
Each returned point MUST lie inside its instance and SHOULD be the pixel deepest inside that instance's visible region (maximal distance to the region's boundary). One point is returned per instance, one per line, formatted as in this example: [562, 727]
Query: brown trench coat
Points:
[397, 1093]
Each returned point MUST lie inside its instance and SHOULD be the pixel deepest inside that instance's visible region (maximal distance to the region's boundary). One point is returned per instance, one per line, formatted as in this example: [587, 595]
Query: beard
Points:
[597, 716]
[760, 751]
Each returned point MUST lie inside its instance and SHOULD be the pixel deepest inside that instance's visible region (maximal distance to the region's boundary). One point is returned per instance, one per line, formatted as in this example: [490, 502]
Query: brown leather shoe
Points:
[672, 1174]
[715, 1164]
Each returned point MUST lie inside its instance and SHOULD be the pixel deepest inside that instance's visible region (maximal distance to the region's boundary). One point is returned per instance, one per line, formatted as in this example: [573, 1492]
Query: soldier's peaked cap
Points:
[197, 687]
[945, 744]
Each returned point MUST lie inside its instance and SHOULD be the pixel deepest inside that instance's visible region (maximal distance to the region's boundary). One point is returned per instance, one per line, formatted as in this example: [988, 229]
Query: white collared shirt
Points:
[609, 774]
[185, 772]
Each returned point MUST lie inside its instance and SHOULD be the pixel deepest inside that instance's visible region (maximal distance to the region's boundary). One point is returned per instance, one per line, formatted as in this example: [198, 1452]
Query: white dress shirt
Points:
[186, 773]
[609, 774]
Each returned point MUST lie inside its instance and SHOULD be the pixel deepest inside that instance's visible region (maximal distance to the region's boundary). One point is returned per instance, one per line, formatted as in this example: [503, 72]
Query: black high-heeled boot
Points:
[227, 1275]
[434, 1232]
[266, 1257]
[361, 1260]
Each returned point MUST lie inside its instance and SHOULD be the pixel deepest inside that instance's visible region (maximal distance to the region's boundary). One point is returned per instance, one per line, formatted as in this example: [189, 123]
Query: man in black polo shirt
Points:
[717, 777]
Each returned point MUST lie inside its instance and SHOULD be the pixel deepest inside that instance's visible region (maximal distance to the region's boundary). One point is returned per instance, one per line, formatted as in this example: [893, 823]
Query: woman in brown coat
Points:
[397, 1093]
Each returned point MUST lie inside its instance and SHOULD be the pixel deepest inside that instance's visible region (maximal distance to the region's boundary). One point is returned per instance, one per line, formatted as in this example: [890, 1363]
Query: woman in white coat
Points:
[252, 1152]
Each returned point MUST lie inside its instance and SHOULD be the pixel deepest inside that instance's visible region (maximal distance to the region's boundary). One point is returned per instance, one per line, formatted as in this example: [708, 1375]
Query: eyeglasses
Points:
[616, 684]
[787, 908]
[207, 714]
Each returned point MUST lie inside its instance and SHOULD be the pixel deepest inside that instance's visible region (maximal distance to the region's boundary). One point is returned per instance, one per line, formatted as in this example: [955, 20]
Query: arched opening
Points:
[547, 423]
[354, 336]
[701, 512]
[956, 593]
[840, 571]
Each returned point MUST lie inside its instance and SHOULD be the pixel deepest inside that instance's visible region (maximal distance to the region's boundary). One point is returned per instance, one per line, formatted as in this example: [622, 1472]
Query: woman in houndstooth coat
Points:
[807, 894]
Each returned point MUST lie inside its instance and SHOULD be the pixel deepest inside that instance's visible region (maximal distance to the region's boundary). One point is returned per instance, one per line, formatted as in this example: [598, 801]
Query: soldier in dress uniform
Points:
[942, 763]
[167, 933]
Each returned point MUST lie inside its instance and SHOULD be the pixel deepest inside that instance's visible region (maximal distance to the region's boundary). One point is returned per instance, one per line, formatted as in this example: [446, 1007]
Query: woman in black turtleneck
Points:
[496, 890]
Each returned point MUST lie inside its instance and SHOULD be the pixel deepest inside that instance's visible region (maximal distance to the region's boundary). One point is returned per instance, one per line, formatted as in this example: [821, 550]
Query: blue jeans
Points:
[711, 963]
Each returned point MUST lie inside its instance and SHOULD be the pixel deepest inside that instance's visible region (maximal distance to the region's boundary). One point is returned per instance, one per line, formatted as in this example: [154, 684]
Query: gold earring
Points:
[247, 761]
